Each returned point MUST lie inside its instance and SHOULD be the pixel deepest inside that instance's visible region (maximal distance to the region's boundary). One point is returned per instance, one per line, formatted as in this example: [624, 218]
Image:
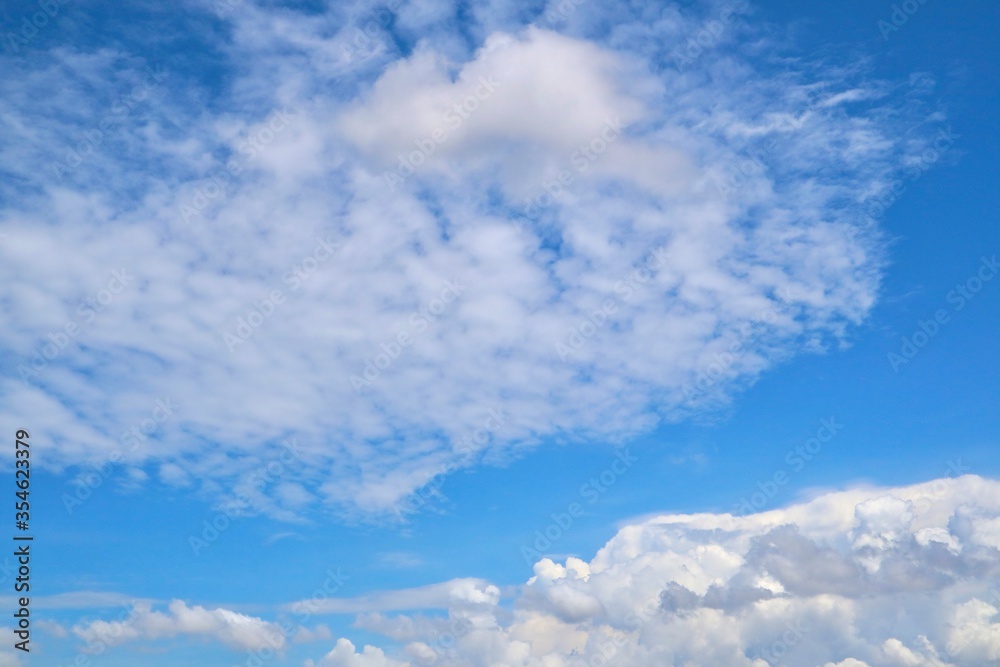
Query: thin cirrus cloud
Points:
[571, 251]
[434, 596]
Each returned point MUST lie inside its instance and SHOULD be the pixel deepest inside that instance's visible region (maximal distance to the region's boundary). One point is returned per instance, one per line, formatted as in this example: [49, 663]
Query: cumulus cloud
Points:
[793, 586]
[232, 629]
[344, 655]
[975, 632]
[592, 242]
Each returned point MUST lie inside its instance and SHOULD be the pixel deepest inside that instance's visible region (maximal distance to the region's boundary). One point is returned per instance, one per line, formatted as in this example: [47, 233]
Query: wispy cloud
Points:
[434, 596]
[519, 117]
[399, 559]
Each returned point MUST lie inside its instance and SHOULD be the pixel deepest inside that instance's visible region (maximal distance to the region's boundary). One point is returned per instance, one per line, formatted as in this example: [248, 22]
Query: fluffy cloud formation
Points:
[344, 655]
[869, 577]
[233, 629]
[413, 254]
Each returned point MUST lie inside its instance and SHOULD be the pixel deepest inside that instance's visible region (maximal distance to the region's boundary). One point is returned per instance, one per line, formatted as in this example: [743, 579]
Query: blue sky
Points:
[277, 197]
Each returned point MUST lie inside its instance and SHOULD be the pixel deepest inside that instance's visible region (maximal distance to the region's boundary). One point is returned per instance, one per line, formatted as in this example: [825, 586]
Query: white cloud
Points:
[790, 586]
[344, 655]
[924, 656]
[456, 592]
[975, 632]
[559, 321]
[538, 95]
[51, 627]
[78, 600]
[233, 629]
